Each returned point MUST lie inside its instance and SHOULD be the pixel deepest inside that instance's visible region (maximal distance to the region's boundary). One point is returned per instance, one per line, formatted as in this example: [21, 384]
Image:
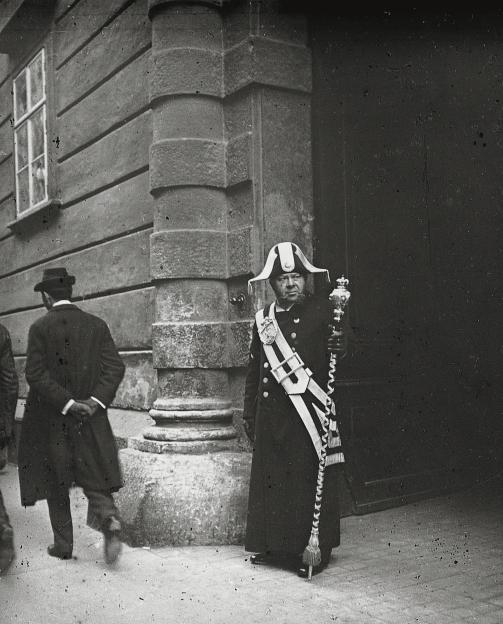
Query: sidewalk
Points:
[434, 562]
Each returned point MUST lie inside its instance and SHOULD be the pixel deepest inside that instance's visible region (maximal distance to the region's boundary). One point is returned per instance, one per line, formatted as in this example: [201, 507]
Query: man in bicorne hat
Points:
[73, 370]
[284, 404]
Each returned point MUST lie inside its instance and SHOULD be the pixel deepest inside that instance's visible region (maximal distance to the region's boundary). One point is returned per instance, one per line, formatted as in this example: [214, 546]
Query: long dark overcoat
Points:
[8, 388]
[285, 463]
[71, 355]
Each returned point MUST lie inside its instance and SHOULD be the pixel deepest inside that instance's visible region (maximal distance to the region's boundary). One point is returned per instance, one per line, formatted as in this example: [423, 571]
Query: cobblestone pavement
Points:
[436, 561]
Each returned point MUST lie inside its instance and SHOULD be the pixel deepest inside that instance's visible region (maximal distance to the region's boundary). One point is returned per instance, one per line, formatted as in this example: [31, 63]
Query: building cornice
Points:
[19, 15]
[155, 5]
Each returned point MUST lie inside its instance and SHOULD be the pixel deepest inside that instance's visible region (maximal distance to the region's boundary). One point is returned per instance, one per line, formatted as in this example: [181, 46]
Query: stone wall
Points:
[100, 138]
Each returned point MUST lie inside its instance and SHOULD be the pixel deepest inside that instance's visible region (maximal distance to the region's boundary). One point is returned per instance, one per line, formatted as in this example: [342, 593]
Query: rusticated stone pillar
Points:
[187, 478]
[188, 246]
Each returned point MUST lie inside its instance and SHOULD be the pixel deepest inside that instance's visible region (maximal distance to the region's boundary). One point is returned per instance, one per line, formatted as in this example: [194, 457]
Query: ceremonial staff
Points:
[339, 298]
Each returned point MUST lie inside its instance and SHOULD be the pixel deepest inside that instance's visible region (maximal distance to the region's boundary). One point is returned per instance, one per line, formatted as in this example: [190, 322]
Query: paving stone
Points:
[365, 583]
[488, 618]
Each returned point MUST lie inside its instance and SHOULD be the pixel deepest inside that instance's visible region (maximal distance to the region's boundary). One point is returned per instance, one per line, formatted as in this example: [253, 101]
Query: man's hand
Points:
[249, 430]
[337, 342]
[92, 405]
[80, 410]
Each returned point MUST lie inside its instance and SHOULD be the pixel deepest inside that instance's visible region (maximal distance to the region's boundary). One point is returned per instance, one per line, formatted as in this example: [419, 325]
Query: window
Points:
[30, 135]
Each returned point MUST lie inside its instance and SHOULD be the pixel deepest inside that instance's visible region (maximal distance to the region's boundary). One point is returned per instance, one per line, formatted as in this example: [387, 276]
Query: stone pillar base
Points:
[180, 499]
[139, 443]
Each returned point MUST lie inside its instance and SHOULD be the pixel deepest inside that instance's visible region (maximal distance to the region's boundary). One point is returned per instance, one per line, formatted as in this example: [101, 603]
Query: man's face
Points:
[289, 287]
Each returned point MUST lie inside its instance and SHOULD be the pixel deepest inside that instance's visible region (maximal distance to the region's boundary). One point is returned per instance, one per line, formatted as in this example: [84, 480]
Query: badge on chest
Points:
[268, 330]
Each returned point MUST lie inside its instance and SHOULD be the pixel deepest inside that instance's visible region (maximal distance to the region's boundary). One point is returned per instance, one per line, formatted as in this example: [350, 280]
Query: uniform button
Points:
[265, 380]
[266, 364]
[265, 395]
[293, 348]
[296, 320]
[293, 335]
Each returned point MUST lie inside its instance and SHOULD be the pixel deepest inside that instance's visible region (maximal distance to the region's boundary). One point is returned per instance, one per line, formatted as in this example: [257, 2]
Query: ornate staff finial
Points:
[339, 297]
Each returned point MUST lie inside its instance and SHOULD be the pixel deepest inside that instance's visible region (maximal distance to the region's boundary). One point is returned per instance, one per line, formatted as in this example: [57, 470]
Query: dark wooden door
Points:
[408, 155]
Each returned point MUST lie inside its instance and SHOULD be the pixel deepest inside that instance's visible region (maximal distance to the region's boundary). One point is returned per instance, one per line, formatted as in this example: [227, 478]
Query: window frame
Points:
[26, 119]
[46, 103]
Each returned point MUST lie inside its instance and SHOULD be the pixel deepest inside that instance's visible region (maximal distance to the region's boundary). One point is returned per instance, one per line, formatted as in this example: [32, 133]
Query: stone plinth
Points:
[182, 499]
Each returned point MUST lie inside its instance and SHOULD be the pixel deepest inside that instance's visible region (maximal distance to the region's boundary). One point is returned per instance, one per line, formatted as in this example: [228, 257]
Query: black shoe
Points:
[7, 552]
[55, 551]
[112, 544]
[303, 570]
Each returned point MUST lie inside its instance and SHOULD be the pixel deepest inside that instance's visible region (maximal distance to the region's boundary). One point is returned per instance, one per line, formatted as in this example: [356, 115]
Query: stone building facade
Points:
[180, 140]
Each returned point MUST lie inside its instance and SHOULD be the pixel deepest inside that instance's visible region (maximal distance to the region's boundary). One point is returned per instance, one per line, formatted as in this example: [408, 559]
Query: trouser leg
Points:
[7, 551]
[101, 508]
[4, 518]
[104, 515]
[61, 521]
[4, 457]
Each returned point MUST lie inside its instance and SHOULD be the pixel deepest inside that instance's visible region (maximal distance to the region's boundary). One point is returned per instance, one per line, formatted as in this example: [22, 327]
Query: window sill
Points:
[50, 206]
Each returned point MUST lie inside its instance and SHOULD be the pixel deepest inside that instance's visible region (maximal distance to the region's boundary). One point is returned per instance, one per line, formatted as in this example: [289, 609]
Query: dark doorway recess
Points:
[408, 161]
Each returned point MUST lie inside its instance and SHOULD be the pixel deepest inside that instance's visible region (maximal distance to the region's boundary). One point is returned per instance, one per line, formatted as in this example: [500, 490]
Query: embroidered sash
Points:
[308, 398]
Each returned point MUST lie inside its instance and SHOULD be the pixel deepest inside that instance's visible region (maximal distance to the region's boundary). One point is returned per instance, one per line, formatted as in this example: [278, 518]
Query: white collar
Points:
[61, 302]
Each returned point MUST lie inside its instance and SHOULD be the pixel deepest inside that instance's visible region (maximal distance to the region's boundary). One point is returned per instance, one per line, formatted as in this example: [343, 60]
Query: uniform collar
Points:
[281, 309]
[295, 306]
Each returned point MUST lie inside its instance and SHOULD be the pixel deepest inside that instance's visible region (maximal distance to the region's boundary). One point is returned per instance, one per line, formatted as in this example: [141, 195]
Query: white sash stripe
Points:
[334, 458]
[295, 390]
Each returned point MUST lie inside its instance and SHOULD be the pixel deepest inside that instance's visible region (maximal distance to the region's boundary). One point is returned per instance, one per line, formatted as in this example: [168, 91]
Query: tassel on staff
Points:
[312, 553]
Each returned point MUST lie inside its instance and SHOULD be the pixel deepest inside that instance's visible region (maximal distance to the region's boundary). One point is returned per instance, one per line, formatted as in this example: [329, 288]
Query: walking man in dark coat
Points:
[73, 370]
[287, 373]
[8, 400]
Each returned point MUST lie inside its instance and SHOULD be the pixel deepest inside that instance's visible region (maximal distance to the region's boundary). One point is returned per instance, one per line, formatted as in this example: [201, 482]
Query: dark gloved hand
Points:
[92, 405]
[80, 412]
[337, 342]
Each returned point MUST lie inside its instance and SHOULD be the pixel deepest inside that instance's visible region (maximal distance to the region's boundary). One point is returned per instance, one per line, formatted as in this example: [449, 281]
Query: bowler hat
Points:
[54, 278]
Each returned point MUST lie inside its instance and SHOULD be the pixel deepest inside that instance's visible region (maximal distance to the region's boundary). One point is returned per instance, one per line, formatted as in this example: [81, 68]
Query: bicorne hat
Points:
[286, 258]
[54, 278]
